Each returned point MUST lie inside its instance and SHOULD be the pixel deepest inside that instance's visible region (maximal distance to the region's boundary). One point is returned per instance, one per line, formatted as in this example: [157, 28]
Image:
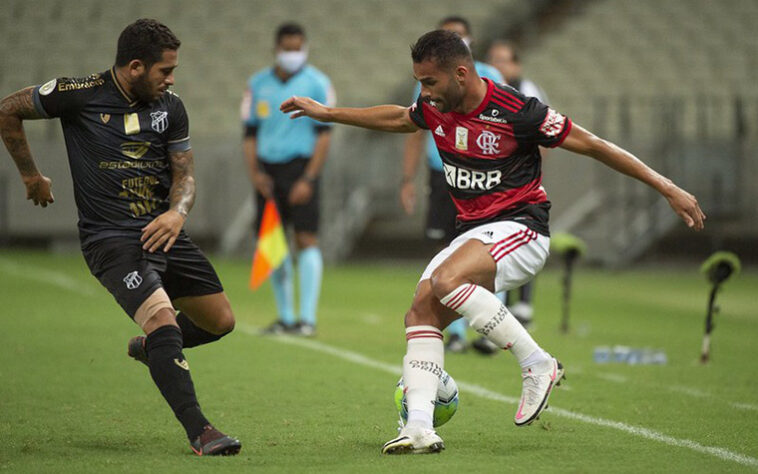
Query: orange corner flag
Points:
[272, 246]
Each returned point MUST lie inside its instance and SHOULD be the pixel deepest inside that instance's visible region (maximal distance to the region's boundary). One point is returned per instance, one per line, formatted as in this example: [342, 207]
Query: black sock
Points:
[171, 374]
[193, 335]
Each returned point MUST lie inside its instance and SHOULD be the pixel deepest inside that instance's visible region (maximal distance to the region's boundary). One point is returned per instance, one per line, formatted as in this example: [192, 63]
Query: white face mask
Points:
[291, 61]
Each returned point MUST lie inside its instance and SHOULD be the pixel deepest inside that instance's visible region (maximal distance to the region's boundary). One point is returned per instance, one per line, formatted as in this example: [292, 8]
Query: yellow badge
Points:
[131, 124]
[105, 118]
[461, 138]
[263, 110]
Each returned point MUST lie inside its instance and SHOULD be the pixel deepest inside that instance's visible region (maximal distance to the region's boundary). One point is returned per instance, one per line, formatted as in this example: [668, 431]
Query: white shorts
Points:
[519, 252]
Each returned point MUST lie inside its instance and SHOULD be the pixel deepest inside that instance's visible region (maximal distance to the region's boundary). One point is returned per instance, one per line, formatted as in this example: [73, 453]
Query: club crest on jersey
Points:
[488, 142]
[553, 123]
[461, 138]
[105, 118]
[471, 180]
[133, 280]
[160, 121]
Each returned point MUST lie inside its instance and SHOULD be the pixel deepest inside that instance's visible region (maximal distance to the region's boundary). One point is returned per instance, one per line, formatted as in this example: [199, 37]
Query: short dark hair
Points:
[456, 19]
[145, 40]
[442, 46]
[289, 29]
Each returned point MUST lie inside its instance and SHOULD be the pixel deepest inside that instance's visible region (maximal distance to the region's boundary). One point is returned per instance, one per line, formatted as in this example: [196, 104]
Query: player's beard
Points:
[451, 99]
[143, 91]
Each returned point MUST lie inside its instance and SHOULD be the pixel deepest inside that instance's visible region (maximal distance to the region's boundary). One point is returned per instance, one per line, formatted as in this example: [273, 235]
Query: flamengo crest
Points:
[488, 142]
[160, 121]
[553, 123]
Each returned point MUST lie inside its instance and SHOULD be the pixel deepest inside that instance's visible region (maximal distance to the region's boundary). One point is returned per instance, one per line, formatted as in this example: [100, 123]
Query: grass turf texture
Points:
[72, 401]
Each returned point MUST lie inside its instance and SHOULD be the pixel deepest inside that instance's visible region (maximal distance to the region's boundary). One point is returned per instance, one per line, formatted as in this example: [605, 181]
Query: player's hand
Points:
[38, 189]
[408, 197]
[301, 192]
[305, 107]
[163, 230]
[686, 206]
[264, 184]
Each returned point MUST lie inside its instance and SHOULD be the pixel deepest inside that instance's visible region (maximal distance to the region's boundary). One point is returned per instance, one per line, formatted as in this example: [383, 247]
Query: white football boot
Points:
[537, 383]
[413, 439]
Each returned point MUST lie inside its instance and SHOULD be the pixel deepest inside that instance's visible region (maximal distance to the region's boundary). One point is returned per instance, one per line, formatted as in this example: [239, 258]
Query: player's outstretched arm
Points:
[14, 109]
[684, 204]
[164, 229]
[387, 118]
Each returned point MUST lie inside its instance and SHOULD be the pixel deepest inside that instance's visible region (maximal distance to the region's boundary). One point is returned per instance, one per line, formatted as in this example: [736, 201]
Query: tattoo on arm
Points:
[14, 109]
[182, 193]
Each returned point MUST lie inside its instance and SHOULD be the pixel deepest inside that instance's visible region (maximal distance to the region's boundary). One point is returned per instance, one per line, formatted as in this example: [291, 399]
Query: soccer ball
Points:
[444, 407]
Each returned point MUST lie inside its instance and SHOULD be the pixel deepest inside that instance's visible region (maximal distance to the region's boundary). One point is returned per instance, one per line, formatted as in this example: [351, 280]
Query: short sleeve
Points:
[178, 128]
[416, 111]
[247, 113]
[60, 97]
[537, 123]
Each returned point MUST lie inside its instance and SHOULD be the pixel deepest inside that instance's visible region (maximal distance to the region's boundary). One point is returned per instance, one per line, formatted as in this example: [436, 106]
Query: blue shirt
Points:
[432, 155]
[279, 138]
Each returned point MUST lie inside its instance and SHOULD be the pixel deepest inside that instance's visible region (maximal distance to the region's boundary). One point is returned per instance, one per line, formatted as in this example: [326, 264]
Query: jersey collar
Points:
[132, 102]
[483, 105]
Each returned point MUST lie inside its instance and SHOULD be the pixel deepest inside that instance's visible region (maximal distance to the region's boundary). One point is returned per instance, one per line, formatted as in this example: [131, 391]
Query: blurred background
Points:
[673, 81]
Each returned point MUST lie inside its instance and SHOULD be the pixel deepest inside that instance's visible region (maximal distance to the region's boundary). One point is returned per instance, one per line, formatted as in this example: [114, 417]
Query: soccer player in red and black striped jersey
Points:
[489, 137]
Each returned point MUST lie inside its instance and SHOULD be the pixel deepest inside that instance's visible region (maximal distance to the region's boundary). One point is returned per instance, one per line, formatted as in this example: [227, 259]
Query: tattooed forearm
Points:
[14, 109]
[182, 194]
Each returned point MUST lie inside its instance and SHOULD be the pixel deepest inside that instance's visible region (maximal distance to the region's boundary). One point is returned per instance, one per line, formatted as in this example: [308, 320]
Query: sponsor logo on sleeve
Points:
[553, 123]
[439, 132]
[48, 87]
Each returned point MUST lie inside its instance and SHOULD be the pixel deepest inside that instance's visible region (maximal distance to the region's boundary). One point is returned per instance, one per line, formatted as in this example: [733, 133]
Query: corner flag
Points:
[272, 246]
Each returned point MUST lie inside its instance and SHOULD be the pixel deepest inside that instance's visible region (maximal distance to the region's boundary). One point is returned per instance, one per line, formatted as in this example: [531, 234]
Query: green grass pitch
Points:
[72, 401]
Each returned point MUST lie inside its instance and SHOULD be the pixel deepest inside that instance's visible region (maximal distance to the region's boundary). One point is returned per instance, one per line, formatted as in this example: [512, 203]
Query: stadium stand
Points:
[663, 77]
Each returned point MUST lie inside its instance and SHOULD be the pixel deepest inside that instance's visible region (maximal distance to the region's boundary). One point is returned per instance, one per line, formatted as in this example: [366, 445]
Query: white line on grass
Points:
[43, 275]
[482, 392]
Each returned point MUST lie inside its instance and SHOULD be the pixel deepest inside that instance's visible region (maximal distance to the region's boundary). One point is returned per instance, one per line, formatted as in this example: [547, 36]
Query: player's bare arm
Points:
[14, 109]
[164, 229]
[302, 190]
[387, 118]
[684, 204]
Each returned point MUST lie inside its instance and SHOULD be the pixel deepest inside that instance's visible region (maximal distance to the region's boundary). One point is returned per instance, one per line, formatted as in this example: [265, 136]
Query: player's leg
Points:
[465, 282]
[440, 231]
[310, 263]
[171, 373]
[204, 319]
[122, 267]
[422, 366]
[282, 277]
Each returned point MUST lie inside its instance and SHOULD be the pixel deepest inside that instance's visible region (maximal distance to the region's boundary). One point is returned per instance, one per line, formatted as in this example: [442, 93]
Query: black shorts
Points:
[304, 218]
[132, 274]
[441, 214]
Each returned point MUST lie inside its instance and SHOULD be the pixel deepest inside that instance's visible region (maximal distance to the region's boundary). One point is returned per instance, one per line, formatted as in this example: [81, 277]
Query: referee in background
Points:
[285, 158]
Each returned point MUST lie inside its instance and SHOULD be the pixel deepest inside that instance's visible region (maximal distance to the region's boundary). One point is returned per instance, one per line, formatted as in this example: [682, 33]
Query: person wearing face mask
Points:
[441, 212]
[285, 158]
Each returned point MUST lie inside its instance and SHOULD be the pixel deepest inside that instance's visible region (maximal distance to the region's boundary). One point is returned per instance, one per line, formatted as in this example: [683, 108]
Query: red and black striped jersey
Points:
[491, 156]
